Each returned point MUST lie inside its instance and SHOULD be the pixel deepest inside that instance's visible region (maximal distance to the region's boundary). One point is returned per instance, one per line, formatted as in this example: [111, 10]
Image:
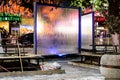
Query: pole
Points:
[21, 64]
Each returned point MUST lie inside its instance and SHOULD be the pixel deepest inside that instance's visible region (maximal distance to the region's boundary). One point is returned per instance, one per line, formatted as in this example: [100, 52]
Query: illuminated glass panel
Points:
[87, 31]
[57, 30]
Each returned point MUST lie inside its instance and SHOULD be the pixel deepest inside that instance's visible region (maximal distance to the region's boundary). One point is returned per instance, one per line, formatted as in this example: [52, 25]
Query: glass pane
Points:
[57, 30]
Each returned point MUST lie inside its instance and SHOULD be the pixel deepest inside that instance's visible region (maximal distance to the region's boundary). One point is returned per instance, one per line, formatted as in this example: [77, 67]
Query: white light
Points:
[70, 28]
[39, 25]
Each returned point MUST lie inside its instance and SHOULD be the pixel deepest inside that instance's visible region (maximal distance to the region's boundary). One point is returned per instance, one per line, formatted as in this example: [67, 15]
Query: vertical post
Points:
[18, 46]
[1, 49]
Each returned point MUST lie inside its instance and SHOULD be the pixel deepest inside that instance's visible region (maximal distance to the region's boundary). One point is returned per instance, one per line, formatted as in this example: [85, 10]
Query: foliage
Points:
[79, 3]
[113, 23]
[96, 5]
[99, 4]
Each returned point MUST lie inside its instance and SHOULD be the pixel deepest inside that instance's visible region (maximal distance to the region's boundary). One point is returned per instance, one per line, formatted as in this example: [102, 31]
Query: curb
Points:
[83, 65]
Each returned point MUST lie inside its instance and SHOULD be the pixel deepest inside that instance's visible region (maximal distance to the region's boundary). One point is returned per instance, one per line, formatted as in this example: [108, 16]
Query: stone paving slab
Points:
[72, 72]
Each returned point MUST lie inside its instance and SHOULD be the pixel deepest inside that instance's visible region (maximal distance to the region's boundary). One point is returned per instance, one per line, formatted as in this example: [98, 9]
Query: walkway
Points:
[72, 73]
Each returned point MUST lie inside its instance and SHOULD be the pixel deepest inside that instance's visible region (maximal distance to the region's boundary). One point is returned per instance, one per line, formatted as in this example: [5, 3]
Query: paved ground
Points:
[72, 73]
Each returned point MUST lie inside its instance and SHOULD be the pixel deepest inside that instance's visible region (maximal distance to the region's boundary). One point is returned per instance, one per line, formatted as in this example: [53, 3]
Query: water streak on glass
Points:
[57, 30]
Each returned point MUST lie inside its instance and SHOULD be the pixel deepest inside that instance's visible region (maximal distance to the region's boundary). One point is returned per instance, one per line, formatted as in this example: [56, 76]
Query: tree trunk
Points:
[114, 9]
[119, 43]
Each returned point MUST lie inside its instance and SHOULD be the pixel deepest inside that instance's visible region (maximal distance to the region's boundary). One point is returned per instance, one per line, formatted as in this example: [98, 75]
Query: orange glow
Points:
[15, 7]
[51, 13]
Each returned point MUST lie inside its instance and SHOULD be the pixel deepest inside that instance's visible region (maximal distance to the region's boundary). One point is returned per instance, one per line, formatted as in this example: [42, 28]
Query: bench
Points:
[10, 49]
[104, 48]
[91, 56]
[27, 57]
[15, 47]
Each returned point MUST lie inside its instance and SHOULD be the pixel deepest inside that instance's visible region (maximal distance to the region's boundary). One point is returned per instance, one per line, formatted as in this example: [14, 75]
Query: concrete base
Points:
[110, 72]
[30, 73]
[110, 66]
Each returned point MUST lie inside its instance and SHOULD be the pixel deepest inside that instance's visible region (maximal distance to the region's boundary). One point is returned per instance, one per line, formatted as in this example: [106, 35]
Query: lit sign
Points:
[9, 17]
[98, 19]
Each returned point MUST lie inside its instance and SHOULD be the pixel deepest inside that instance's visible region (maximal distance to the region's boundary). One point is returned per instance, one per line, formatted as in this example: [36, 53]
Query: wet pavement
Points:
[72, 72]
